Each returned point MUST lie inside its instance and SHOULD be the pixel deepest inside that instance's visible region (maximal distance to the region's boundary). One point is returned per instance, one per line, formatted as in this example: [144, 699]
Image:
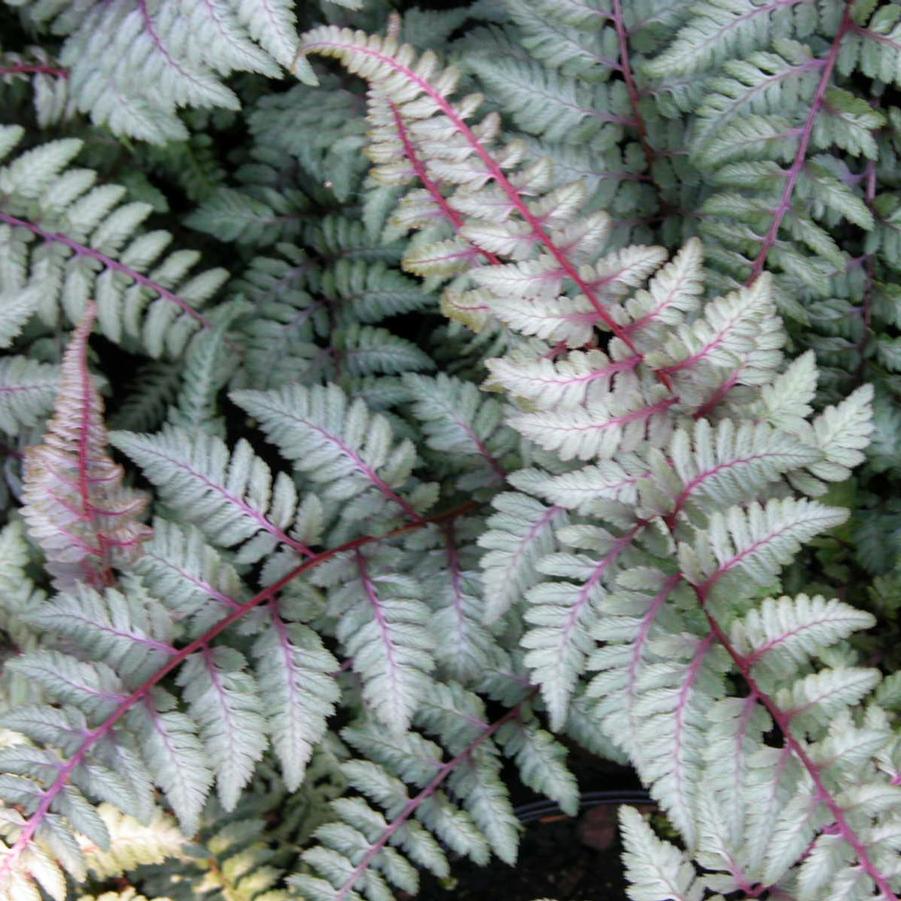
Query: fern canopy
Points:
[405, 411]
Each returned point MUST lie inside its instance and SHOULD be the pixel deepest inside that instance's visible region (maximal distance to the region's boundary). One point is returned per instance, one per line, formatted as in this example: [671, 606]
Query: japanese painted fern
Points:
[394, 560]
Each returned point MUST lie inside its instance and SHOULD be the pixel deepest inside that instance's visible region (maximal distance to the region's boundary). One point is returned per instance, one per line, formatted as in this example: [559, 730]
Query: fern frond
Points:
[730, 464]
[366, 350]
[27, 390]
[458, 154]
[726, 29]
[341, 447]
[562, 613]
[382, 624]
[231, 495]
[756, 84]
[464, 645]
[132, 843]
[553, 107]
[295, 676]
[150, 72]
[129, 631]
[139, 734]
[754, 543]
[181, 567]
[457, 421]
[572, 380]
[599, 430]
[75, 505]
[654, 868]
[224, 701]
[375, 290]
[86, 243]
[208, 367]
[367, 850]
[239, 216]
[518, 536]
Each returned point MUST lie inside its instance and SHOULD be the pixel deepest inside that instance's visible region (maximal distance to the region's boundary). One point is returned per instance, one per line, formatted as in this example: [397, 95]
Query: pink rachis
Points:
[806, 133]
[239, 611]
[108, 262]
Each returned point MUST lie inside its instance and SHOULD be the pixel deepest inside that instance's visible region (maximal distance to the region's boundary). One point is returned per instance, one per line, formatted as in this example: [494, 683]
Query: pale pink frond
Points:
[74, 501]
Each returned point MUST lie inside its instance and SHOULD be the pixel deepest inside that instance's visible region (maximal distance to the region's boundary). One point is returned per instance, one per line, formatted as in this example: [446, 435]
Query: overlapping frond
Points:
[231, 495]
[383, 626]
[454, 800]
[114, 732]
[129, 67]
[479, 188]
[345, 450]
[67, 239]
[458, 421]
[517, 537]
[703, 361]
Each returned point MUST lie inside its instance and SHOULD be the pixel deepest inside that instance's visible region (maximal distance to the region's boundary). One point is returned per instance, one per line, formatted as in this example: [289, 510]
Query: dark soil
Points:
[554, 862]
[560, 858]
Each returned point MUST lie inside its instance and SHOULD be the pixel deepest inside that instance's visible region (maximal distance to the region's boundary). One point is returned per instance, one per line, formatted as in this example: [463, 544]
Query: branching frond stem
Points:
[83, 250]
[34, 69]
[794, 172]
[410, 808]
[239, 611]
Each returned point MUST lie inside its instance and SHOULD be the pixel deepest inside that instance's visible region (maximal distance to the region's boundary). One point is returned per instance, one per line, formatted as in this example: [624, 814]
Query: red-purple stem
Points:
[370, 473]
[871, 35]
[781, 719]
[493, 169]
[93, 736]
[34, 69]
[237, 501]
[108, 262]
[794, 172]
[453, 216]
[414, 803]
[783, 722]
[105, 575]
[378, 611]
[640, 125]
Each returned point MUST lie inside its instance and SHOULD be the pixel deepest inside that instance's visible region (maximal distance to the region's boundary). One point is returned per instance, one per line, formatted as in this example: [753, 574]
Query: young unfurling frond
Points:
[75, 504]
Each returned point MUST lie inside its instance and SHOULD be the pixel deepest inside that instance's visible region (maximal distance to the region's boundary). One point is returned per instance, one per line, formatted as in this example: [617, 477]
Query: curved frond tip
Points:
[75, 504]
